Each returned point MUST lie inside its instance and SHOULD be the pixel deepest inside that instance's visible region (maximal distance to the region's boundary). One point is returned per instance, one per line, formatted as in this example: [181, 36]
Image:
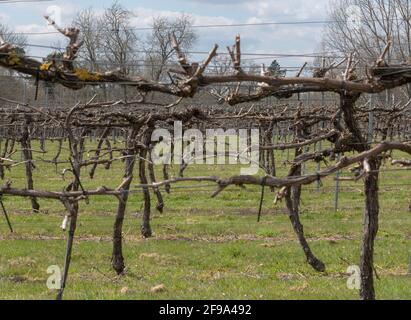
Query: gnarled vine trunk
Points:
[370, 231]
[117, 259]
[370, 224]
[28, 159]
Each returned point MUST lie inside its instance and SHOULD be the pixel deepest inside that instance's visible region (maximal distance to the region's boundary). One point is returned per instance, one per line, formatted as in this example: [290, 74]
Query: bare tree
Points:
[89, 24]
[364, 27]
[9, 86]
[348, 133]
[118, 39]
[221, 65]
[12, 37]
[159, 43]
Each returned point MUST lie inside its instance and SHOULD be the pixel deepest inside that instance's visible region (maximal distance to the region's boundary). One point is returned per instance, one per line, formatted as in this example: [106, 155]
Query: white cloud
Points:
[295, 9]
[283, 39]
[4, 18]
[145, 16]
[41, 39]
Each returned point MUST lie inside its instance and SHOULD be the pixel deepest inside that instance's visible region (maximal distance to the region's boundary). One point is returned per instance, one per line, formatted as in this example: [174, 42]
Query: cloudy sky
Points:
[274, 39]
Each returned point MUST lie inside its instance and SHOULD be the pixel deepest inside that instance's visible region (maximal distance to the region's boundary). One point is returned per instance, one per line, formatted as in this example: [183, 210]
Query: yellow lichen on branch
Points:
[13, 59]
[85, 75]
[46, 66]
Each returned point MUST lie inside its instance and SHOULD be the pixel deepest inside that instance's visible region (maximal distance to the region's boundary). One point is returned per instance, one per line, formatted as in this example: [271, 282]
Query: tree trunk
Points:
[73, 209]
[27, 157]
[145, 227]
[292, 199]
[370, 227]
[3, 155]
[103, 137]
[157, 192]
[370, 231]
[117, 259]
[72, 205]
[293, 212]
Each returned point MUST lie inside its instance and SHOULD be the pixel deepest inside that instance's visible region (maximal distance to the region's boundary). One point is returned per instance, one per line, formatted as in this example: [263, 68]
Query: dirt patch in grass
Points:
[25, 261]
[21, 279]
[229, 211]
[254, 211]
[267, 241]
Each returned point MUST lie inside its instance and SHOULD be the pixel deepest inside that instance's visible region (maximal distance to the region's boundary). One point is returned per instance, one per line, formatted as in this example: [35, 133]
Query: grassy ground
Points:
[203, 248]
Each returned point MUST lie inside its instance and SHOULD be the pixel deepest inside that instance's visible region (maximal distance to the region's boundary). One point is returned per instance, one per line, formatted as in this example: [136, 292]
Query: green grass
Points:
[205, 248]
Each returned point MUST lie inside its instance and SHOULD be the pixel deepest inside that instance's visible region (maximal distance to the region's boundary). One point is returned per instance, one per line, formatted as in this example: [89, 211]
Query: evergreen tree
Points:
[275, 70]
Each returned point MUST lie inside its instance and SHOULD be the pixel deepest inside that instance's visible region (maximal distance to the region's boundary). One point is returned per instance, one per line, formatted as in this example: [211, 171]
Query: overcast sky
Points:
[277, 39]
